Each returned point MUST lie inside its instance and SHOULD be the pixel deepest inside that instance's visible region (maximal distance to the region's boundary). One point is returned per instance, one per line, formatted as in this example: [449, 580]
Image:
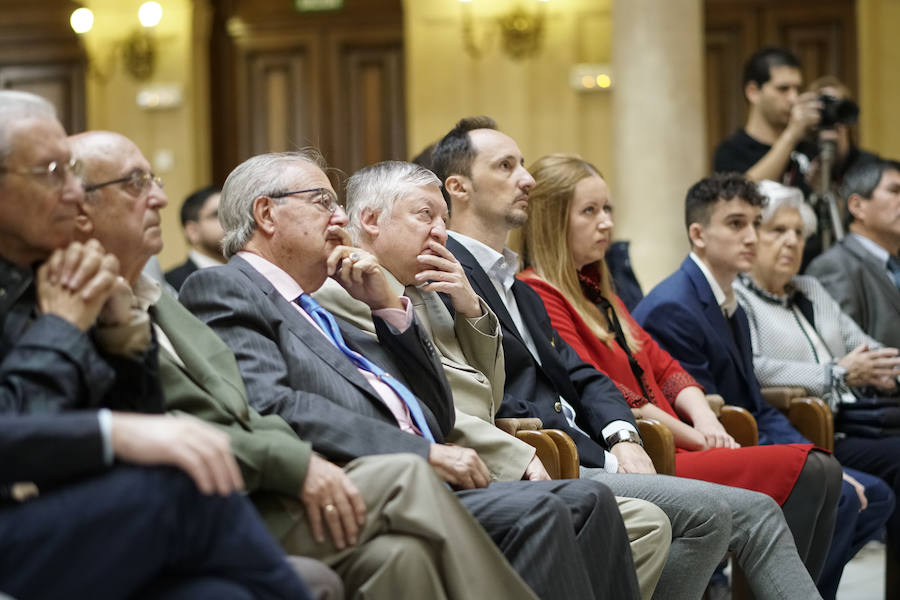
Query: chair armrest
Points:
[740, 425]
[659, 445]
[568, 453]
[812, 418]
[546, 450]
[513, 425]
[781, 396]
[716, 402]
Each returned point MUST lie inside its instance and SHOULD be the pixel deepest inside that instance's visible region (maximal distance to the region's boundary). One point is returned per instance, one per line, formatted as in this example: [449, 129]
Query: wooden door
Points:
[40, 53]
[283, 80]
[822, 33]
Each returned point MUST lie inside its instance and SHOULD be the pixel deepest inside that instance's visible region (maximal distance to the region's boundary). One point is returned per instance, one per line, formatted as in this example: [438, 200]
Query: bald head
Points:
[122, 201]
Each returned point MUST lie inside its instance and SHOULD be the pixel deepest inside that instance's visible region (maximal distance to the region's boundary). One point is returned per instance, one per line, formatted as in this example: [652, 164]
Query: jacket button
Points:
[558, 406]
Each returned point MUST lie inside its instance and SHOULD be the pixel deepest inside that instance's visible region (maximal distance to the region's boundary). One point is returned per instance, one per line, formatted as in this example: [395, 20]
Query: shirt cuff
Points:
[611, 464]
[617, 426]
[395, 317]
[104, 418]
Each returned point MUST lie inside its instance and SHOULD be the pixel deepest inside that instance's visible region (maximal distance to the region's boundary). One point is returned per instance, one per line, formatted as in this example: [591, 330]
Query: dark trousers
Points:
[565, 538]
[854, 528]
[879, 457]
[144, 532]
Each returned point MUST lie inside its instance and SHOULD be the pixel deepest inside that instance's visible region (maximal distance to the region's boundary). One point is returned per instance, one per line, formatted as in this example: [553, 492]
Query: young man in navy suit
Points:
[695, 316]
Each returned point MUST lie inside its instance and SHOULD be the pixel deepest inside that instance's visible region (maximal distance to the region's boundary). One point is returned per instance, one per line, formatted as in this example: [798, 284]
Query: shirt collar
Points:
[727, 302]
[147, 291]
[278, 277]
[872, 248]
[500, 267]
[203, 261]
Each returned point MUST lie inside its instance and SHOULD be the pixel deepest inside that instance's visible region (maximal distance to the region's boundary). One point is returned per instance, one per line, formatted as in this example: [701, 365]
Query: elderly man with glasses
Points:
[78, 516]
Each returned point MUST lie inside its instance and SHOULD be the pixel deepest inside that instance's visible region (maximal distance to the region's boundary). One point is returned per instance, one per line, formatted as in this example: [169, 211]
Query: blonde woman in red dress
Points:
[568, 231]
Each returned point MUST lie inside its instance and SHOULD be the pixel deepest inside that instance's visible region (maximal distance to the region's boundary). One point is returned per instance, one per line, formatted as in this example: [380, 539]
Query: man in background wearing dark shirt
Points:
[772, 145]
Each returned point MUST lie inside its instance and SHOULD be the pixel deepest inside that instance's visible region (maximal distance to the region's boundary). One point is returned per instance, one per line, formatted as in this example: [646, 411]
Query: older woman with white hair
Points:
[801, 337]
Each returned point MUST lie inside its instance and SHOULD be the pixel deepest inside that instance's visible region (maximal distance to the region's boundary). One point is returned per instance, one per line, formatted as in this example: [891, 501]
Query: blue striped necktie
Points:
[325, 320]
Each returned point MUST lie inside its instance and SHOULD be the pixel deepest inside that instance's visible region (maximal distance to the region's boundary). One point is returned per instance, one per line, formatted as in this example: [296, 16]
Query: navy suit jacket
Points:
[682, 315]
[532, 389]
[290, 369]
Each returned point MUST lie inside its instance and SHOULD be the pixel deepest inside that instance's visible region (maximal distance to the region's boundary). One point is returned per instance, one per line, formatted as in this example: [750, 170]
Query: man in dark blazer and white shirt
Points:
[862, 271]
[284, 237]
[99, 529]
[487, 188]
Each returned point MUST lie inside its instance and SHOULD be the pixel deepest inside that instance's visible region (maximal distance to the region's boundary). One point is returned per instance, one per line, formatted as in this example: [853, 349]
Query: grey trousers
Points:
[709, 520]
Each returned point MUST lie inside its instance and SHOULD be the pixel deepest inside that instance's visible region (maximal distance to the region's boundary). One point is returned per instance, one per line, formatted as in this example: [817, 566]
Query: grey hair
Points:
[16, 105]
[780, 196]
[378, 187]
[262, 175]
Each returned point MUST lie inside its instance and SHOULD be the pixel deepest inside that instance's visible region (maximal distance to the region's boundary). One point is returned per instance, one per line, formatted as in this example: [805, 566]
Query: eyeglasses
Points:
[322, 197]
[136, 183]
[54, 173]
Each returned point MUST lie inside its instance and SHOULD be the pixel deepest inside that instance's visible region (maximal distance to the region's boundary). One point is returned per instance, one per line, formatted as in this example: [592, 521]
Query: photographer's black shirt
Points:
[740, 152]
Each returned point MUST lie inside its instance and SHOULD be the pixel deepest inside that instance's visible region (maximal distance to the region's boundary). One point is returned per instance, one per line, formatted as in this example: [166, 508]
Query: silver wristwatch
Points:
[624, 435]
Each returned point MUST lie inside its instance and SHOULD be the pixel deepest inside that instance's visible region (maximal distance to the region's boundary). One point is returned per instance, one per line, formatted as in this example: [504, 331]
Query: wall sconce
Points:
[521, 31]
[137, 50]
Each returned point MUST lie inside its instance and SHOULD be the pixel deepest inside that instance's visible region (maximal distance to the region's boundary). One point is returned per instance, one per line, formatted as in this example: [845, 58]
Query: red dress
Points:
[770, 469]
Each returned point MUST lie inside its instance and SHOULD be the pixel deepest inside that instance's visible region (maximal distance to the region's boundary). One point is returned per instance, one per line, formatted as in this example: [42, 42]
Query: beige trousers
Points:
[649, 535]
[418, 540]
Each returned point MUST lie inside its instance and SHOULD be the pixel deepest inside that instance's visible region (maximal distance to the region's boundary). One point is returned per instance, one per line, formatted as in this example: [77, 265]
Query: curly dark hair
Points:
[702, 196]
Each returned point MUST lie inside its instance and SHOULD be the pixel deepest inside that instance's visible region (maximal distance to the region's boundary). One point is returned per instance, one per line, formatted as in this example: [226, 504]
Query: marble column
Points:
[658, 127]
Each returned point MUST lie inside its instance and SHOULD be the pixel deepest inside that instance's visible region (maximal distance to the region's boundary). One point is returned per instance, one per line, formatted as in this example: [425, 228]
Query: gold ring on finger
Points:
[329, 508]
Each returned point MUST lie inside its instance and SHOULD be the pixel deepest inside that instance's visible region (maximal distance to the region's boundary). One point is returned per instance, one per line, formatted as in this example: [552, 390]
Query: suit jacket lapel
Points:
[877, 272]
[306, 332]
[207, 360]
[483, 286]
[713, 313]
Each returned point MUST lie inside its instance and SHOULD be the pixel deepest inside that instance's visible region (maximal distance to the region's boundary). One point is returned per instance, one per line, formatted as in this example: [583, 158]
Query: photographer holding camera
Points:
[774, 144]
[798, 139]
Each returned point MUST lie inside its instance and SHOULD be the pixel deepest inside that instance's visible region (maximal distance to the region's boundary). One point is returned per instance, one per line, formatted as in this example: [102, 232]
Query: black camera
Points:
[837, 111]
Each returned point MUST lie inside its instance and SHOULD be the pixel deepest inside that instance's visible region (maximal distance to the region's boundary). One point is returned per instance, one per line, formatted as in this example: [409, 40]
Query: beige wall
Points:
[879, 75]
[531, 99]
[181, 132]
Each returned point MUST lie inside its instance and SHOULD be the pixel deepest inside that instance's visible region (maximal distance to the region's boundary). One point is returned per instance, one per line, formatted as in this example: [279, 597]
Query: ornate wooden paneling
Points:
[283, 80]
[822, 33]
[40, 53]
[368, 120]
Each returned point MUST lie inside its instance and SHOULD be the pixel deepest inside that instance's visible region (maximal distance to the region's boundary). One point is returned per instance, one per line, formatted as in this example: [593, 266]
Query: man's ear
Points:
[458, 186]
[368, 222]
[855, 205]
[695, 234]
[191, 233]
[751, 92]
[263, 214]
